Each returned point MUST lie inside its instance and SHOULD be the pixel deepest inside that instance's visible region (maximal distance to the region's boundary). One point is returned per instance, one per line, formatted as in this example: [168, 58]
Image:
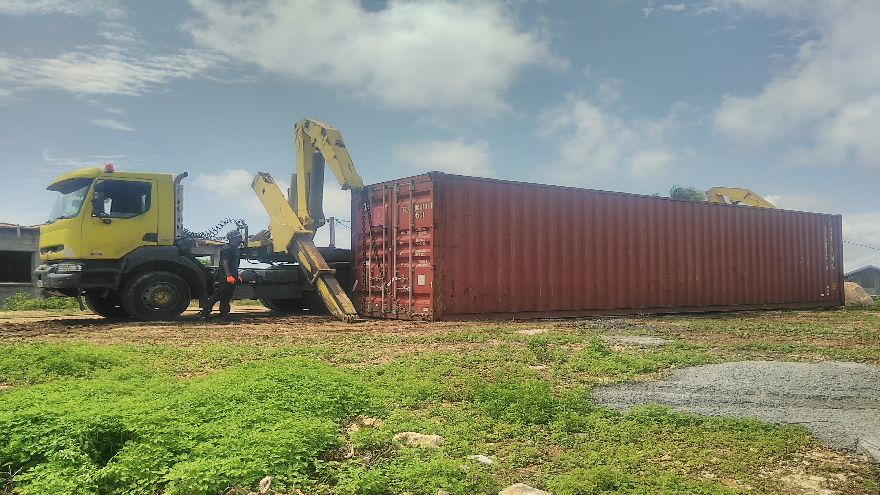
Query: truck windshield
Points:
[72, 195]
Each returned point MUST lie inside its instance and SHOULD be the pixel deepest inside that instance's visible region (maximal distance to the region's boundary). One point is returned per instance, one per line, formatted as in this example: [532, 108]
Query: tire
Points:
[155, 296]
[314, 304]
[283, 305]
[105, 303]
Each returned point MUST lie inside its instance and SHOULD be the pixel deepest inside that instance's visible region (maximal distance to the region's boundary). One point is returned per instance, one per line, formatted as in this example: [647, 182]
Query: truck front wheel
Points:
[105, 303]
[155, 296]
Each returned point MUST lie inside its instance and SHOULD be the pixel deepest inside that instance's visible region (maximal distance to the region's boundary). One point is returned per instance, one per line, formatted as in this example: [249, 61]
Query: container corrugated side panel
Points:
[490, 248]
[520, 250]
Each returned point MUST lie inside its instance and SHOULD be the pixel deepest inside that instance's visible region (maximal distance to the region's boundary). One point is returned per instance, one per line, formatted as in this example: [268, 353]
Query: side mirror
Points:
[98, 204]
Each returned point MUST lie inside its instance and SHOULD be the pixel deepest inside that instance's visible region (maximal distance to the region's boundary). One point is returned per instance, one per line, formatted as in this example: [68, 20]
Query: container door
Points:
[394, 246]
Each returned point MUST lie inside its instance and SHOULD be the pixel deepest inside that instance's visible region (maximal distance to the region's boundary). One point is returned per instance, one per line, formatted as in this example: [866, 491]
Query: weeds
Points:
[21, 301]
[37, 363]
[131, 430]
[126, 419]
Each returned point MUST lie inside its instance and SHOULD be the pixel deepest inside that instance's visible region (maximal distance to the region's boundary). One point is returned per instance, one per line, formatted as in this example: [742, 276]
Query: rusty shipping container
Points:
[447, 247]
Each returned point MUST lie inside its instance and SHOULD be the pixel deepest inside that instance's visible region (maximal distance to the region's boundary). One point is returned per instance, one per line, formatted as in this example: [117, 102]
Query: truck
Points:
[116, 240]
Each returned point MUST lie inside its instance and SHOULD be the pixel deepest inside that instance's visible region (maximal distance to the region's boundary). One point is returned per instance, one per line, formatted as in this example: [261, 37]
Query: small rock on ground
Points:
[481, 459]
[522, 489]
[635, 340]
[413, 439]
[368, 421]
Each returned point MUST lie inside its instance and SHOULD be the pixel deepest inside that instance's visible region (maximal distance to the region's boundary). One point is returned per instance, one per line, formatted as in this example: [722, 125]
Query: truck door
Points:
[122, 216]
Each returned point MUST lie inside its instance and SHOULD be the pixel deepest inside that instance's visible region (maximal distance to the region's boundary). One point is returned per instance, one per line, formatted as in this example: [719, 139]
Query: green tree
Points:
[687, 193]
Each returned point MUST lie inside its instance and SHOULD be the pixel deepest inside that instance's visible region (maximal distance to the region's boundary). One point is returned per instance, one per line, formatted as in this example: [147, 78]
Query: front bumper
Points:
[47, 278]
[100, 275]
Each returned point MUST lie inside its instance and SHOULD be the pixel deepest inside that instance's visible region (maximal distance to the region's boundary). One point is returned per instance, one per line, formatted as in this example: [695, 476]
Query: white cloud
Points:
[231, 195]
[438, 55]
[456, 156]
[102, 70]
[227, 183]
[651, 162]
[825, 108]
[595, 141]
[111, 124]
[707, 9]
[608, 91]
[107, 8]
[56, 165]
[67, 162]
[862, 229]
[802, 201]
[106, 108]
[674, 7]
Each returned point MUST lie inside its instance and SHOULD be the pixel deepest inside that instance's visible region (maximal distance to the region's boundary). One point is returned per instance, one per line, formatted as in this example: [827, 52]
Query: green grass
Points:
[172, 418]
[37, 363]
[21, 301]
[132, 430]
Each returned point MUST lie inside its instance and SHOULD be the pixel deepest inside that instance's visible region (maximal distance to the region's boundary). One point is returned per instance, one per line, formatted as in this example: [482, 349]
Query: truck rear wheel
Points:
[314, 304]
[105, 303]
[283, 305]
[155, 296]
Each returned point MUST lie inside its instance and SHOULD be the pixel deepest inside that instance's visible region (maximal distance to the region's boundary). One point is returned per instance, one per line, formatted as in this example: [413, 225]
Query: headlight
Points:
[52, 249]
[68, 268]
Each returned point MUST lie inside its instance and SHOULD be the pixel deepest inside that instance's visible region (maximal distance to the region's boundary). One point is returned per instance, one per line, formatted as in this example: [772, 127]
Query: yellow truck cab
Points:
[110, 238]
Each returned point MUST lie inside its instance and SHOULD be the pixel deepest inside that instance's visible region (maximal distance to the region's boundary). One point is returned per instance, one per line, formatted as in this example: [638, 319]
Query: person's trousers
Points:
[224, 295]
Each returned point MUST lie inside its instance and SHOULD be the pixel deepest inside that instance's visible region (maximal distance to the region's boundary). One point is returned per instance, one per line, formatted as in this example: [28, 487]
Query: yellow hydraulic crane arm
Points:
[289, 235]
[293, 221]
[735, 196]
[318, 144]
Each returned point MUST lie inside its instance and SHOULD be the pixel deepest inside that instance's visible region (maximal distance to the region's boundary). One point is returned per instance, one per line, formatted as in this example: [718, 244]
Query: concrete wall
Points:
[9, 290]
[13, 238]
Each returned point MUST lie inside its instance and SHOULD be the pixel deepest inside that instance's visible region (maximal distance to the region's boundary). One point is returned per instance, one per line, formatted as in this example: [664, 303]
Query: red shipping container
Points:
[448, 247]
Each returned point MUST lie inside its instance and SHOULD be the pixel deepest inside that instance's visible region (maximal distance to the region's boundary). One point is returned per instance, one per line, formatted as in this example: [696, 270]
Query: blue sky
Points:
[780, 96]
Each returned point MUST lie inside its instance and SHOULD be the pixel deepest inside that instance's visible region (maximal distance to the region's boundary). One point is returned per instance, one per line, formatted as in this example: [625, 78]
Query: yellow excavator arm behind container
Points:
[736, 196]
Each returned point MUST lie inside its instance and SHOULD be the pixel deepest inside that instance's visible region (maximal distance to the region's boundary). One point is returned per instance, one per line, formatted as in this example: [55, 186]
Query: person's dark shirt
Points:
[228, 252]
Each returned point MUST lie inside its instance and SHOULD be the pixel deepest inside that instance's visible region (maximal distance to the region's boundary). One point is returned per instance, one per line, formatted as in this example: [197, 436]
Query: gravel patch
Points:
[838, 402]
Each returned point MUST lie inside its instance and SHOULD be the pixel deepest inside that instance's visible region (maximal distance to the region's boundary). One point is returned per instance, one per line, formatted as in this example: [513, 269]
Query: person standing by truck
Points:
[226, 275]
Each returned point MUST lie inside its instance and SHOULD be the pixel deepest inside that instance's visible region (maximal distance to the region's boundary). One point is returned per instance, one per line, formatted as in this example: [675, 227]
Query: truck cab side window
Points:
[123, 199]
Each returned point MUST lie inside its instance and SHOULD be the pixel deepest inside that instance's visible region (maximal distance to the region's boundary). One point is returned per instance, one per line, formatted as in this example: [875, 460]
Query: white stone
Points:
[413, 439]
[482, 459]
[522, 489]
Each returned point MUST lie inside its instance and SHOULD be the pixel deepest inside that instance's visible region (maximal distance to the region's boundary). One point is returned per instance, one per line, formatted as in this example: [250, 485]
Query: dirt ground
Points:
[248, 324]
